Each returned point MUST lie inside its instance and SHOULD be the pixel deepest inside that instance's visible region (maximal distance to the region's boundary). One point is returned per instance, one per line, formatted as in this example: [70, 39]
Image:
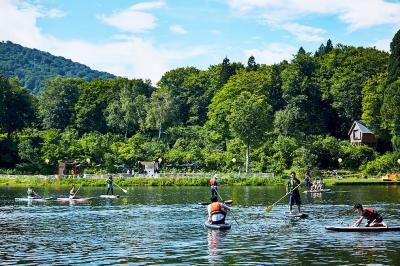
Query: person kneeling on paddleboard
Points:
[293, 190]
[374, 218]
[32, 194]
[110, 185]
[216, 211]
[73, 192]
[214, 183]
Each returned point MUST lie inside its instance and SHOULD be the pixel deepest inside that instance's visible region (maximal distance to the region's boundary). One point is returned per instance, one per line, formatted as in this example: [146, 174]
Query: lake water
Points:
[152, 225]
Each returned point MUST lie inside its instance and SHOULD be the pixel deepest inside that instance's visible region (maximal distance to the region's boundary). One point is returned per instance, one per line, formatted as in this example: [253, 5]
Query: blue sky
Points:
[144, 39]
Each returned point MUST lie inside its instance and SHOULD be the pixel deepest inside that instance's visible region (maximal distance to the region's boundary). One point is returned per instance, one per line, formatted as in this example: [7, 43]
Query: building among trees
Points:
[360, 134]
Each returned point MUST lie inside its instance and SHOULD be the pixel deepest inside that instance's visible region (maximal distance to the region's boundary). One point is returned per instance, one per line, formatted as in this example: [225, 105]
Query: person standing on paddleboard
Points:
[307, 181]
[73, 192]
[293, 190]
[110, 185]
[216, 211]
[32, 194]
[373, 217]
[214, 183]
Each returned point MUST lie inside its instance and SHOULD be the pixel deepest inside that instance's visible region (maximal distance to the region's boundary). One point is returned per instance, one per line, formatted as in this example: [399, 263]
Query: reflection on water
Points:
[166, 226]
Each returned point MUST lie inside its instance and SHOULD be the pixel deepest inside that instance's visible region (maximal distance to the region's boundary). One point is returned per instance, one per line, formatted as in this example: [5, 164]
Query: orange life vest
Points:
[215, 207]
[370, 214]
[213, 181]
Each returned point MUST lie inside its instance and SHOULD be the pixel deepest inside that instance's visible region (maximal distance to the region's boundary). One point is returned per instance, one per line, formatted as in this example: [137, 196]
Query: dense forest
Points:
[291, 115]
[34, 67]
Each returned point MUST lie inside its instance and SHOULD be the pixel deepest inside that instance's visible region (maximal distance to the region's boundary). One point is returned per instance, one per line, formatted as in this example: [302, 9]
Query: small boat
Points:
[363, 229]
[296, 215]
[224, 226]
[318, 191]
[109, 196]
[74, 200]
[33, 199]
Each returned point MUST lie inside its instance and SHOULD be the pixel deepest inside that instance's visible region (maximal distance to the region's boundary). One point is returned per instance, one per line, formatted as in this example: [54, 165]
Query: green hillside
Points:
[34, 67]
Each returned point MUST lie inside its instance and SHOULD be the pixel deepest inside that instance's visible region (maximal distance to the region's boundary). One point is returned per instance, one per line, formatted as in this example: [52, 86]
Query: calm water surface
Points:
[151, 226]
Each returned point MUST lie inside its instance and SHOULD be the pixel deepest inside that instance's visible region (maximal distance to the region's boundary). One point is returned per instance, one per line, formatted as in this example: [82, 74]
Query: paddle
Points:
[269, 208]
[230, 209]
[124, 190]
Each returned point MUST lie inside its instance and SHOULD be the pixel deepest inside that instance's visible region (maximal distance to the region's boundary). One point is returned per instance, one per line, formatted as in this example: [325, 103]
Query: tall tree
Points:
[251, 64]
[17, 106]
[394, 59]
[250, 119]
[391, 112]
[160, 110]
[57, 102]
[126, 114]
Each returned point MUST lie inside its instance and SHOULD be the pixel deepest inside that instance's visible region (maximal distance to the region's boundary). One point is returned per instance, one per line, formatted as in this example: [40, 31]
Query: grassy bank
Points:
[129, 182]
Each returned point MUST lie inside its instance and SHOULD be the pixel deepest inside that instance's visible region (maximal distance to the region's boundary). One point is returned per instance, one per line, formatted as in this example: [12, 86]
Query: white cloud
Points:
[304, 33]
[357, 14]
[133, 19]
[272, 53]
[124, 55]
[383, 44]
[55, 13]
[178, 29]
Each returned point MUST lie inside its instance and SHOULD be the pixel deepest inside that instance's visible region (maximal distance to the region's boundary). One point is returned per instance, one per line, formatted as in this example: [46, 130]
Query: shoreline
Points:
[40, 181]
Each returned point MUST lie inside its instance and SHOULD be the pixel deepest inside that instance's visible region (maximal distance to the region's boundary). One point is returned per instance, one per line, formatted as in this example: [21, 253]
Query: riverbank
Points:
[37, 181]
[34, 181]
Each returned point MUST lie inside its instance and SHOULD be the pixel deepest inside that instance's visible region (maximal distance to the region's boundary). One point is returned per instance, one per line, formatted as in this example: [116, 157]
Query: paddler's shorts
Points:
[295, 198]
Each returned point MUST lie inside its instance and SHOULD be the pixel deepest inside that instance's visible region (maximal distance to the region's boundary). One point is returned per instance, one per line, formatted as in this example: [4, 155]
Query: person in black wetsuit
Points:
[373, 217]
[110, 185]
[293, 190]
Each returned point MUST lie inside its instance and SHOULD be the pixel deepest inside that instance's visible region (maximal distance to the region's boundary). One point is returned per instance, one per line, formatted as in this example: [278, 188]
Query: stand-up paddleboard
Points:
[318, 191]
[363, 229]
[296, 215]
[225, 201]
[224, 226]
[33, 199]
[109, 196]
[74, 200]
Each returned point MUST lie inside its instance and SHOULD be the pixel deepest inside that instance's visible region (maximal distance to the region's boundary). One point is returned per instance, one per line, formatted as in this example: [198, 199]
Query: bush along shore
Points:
[226, 180]
[35, 181]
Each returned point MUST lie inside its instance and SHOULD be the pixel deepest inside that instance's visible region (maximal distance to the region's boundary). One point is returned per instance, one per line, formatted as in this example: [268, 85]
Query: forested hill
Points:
[34, 67]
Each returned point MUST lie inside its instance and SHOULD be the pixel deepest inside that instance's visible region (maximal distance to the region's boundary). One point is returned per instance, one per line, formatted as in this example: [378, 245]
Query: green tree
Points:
[251, 64]
[57, 102]
[394, 59]
[17, 106]
[160, 111]
[250, 119]
[391, 112]
[126, 114]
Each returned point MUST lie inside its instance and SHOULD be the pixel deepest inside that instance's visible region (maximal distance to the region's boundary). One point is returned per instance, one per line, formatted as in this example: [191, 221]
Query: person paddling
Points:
[307, 181]
[216, 211]
[32, 194]
[110, 185]
[293, 190]
[214, 183]
[373, 217]
[73, 192]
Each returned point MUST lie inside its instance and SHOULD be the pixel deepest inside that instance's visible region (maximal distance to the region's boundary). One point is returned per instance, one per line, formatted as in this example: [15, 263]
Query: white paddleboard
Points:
[296, 215]
[109, 196]
[318, 191]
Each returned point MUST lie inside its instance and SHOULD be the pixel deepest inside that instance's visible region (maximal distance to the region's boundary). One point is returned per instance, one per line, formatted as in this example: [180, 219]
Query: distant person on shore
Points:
[31, 193]
[373, 217]
[110, 185]
[216, 211]
[214, 183]
[307, 181]
[73, 192]
[293, 190]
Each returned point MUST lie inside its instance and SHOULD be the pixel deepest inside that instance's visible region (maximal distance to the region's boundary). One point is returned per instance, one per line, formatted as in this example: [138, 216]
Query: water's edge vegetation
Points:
[229, 180]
